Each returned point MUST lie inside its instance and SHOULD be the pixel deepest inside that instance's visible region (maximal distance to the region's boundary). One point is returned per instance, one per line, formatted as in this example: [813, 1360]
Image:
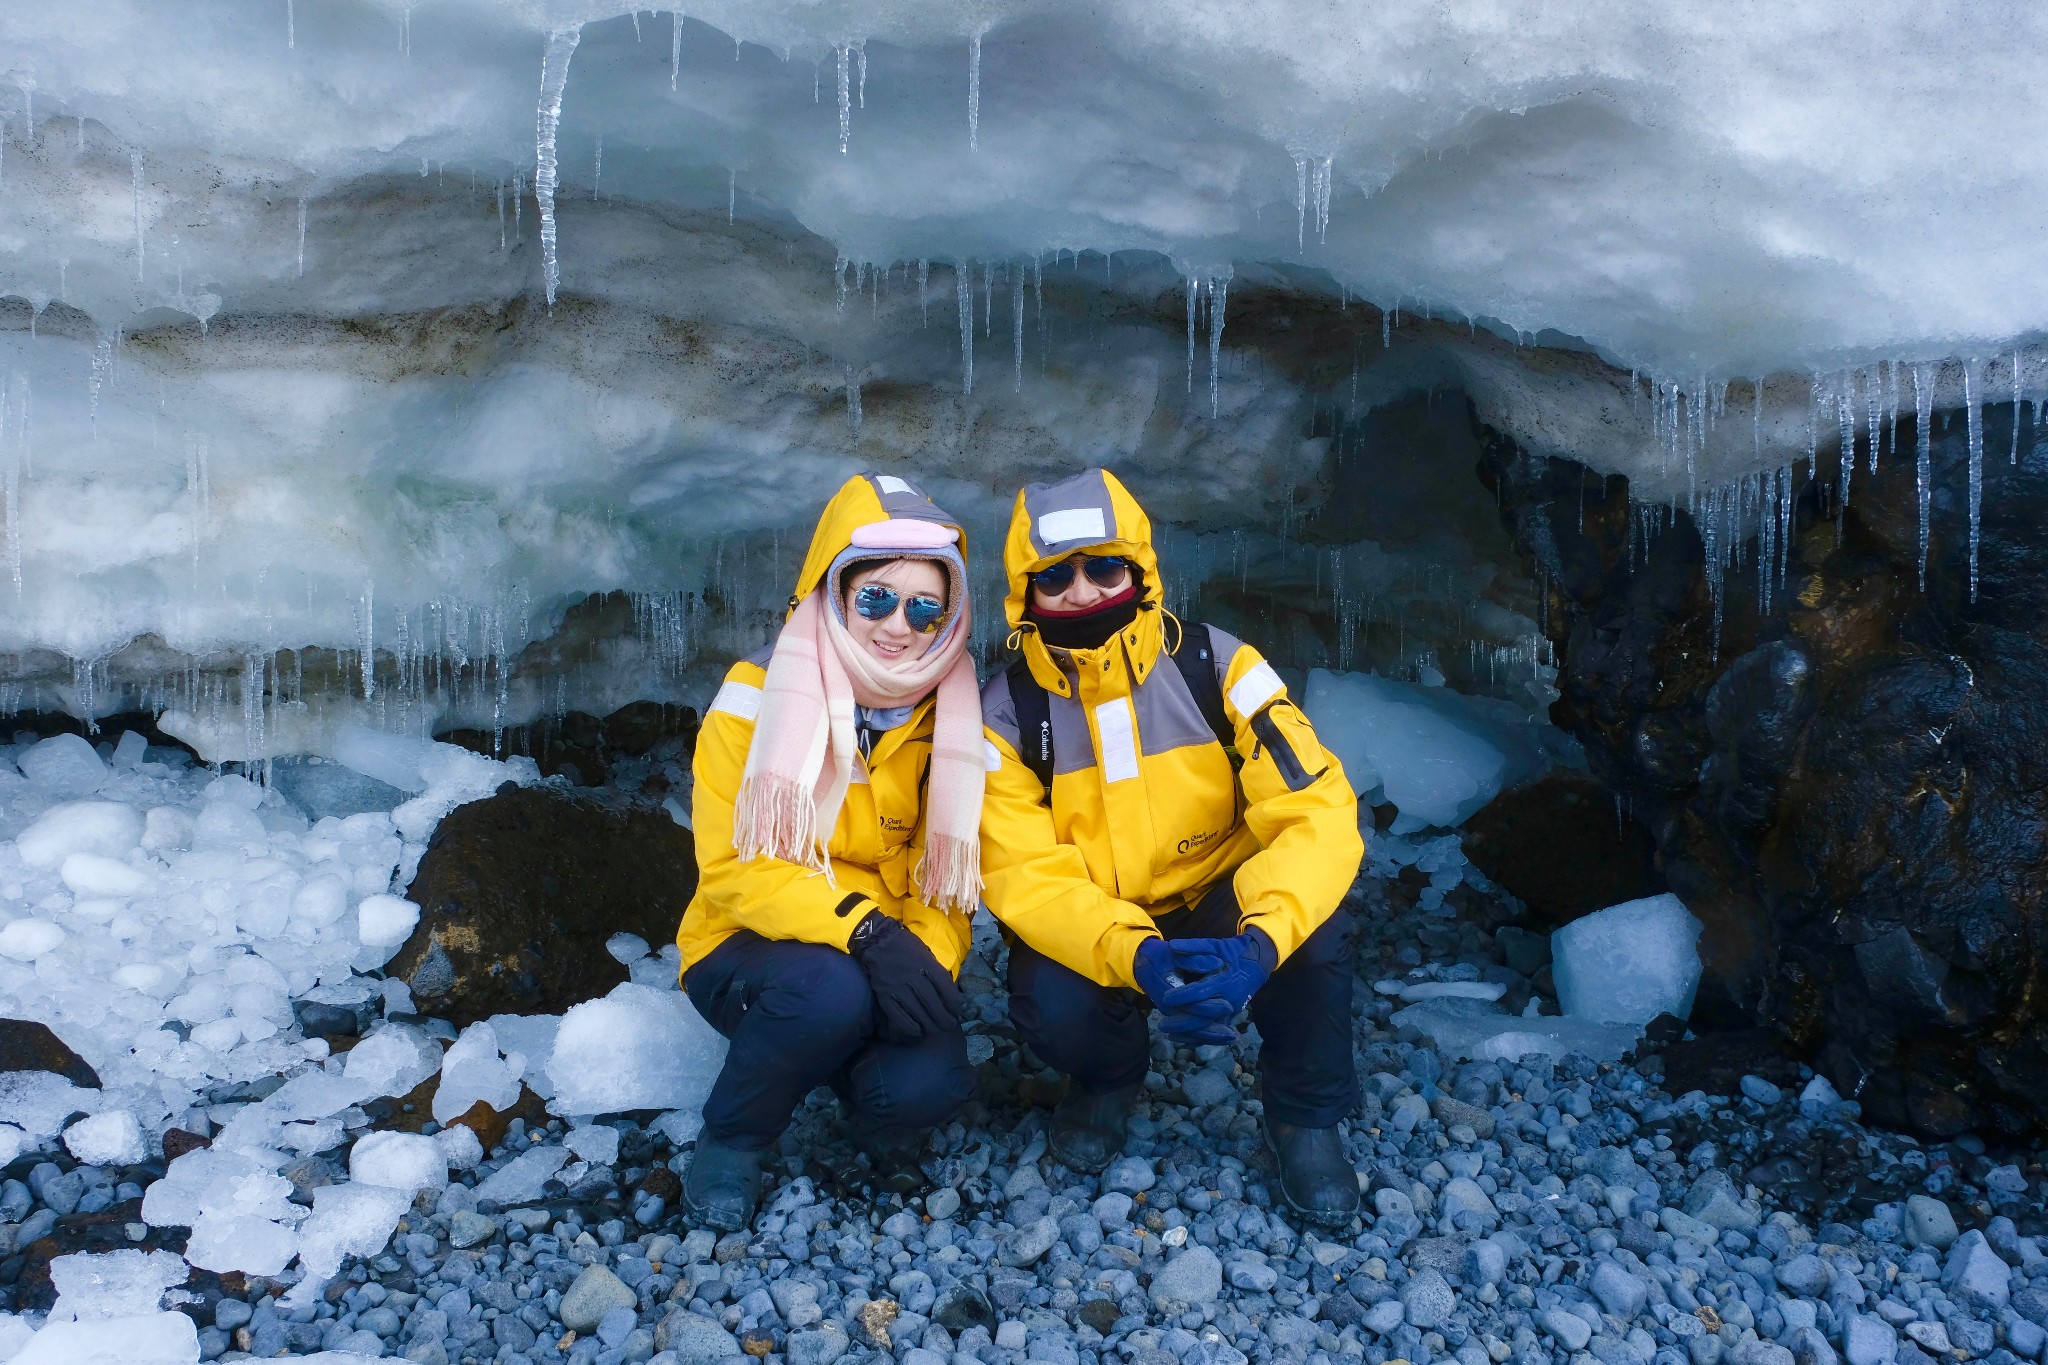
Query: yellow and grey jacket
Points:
[1146, 815]
[879, 837]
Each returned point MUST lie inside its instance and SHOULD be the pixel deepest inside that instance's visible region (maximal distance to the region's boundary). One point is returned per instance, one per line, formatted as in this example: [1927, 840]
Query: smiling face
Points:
[891, 640]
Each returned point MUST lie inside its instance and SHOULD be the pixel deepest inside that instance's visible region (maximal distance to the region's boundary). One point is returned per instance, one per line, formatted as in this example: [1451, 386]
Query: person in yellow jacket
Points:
[838, 793]
[1137, 866]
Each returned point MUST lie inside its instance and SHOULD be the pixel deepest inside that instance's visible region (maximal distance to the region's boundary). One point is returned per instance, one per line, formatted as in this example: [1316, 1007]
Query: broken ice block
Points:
[62, 767]
[385, 921]
[1399, 746]
[348, 1220]
[1629, 963]
[519, 1180]
[113, 1138]
[637, 1048]
[1481, 1030]
[409, 1162]
[473, 1071]
[104, 827]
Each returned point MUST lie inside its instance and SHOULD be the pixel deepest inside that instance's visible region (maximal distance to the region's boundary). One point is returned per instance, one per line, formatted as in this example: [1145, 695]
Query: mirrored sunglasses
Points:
[877, 602]
[1104, 571]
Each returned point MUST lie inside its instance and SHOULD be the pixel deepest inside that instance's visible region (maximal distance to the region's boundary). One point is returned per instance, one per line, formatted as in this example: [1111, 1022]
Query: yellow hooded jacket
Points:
[880, 833]
[1145, 814]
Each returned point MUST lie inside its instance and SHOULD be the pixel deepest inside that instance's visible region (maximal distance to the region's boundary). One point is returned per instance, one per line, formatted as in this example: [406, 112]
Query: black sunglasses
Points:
[877, 602]
[1104, 571]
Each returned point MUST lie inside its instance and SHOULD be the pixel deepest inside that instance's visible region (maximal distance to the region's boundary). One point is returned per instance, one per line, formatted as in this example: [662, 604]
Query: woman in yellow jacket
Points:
[1138, 862]
[838, 791]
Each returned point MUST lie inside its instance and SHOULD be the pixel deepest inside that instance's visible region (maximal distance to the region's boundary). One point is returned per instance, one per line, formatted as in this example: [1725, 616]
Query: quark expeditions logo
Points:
[1194, 843]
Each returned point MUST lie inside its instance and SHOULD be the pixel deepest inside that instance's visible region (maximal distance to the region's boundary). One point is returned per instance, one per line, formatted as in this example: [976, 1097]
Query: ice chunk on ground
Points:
[1400, 746]
[63, 767]
[461, 1148]
[146, 1339]
[391, 759]
[104, 827]
[595, 1143]
[1481, 1030]
[38, 1102]
[348, 1220]
[131, 749]
[410, 1162]
[454, 777]
[385, 921]
[95, 874]
[626, 949]
[13, 1142]
[534, 1036]
[473, 1071]
[245, 1223]
[113, 1138]
[176, 1199]
[393, 1059]
[119, 1284]
[1629, 963]
[25, 940]
[519, 1180]
[321, 788]
[637, 1048]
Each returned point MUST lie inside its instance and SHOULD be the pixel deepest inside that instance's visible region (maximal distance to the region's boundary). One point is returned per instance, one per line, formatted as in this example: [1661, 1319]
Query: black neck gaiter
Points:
[1089, 631]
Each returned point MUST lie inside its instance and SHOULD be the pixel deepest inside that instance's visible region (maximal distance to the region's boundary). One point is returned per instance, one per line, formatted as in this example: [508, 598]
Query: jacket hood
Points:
[865, 500]
[1090, 511]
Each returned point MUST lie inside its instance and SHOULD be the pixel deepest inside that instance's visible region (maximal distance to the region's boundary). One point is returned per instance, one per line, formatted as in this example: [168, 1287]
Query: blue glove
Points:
[1154, 967]
[1229, 972]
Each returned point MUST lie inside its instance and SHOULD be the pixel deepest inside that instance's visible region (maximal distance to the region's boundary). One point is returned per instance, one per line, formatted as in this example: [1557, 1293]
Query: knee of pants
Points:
[1053, 1005]
[917, 1091]
[819, 994]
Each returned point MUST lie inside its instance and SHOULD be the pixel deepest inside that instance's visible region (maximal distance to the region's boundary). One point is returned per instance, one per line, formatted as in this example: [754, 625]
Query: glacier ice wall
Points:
[278, 368]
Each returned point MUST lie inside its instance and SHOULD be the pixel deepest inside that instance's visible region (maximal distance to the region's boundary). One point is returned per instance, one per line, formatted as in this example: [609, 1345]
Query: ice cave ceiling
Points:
[278, 366]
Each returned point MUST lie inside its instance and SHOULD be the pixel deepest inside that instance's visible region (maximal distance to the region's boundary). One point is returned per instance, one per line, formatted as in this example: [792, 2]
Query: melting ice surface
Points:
[331, 325]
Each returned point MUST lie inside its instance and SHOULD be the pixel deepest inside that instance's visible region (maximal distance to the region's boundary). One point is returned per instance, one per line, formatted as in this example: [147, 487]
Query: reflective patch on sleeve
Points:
[889, 483]
[738, 699]
[1259, 685]
[1119, 738]
[1074, 523]
[991, 756]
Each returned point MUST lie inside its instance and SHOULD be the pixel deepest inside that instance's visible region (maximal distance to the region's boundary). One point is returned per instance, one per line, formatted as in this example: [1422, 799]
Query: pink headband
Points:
[903, 533]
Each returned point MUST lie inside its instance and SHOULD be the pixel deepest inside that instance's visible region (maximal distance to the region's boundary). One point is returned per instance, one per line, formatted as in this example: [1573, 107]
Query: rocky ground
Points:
[1548, 1211]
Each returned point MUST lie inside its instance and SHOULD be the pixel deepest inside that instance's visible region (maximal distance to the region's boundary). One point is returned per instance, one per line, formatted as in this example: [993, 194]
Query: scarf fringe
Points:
[777, 817]
[949, 875]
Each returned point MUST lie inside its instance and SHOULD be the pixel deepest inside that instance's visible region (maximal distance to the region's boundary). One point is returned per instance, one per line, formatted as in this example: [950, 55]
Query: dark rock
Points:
[178, 1141]
[1837, 766]
[1558, 846]
[962, 1307]
[26, 1045]
[1101, 1314]
[1717, 1062]
[518, 893]
[584, 748]
[327, 1021]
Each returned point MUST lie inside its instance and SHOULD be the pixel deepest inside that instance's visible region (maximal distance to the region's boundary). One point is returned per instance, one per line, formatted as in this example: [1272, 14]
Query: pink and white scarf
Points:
[801, 760]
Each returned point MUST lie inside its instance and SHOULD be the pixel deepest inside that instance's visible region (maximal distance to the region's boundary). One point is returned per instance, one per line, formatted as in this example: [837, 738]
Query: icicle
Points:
[2015, 457]
[302, 229]
[1017, 324]
[732, 189]
[291, 26]
[554, 83]
[1386, 329]
[1300, 203]
[1873, 412]
[841, 55]
[860, 52]
[501, 227]
[1192, 288]
[974, 92]
[369, 640]
[1845, 417]
[853, 405]
[924, 301]
[988, 299]
[1976, 426]
[675, 47]
[963, 292]
[135, 175]
[10, 452]
[636, 25]
[1322, 195]
[1756, 418]
[597, 171]
[1219, 289]
[1923, 419]
[102, 370]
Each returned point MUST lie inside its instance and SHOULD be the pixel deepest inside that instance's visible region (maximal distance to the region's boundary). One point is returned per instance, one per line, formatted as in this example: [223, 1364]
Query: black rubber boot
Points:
[1316, 1176]
[1089, 1130]
[722, 1188]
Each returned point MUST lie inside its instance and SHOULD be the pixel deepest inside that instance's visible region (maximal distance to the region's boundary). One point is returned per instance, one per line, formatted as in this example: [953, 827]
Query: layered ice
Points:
[287, 382]
[109, 1312]
[1629, 963]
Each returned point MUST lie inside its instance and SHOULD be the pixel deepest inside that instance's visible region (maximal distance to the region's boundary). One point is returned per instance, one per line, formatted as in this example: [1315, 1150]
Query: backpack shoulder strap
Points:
[1034, 723]
[1196, 659]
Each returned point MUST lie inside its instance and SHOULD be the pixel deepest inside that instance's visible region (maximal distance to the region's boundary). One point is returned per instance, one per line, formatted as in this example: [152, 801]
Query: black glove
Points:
[915, 994]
